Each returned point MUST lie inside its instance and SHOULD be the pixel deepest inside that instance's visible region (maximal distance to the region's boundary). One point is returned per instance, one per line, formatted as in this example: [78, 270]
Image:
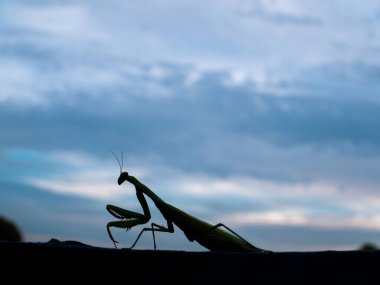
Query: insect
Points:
[212, 237]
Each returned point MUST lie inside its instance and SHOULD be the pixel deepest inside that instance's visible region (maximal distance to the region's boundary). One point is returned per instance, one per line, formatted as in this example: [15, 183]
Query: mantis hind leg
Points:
[222, 225]
[169, 229]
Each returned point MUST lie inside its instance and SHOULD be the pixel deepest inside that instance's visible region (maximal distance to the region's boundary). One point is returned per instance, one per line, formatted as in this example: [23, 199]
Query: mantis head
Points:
[123, 175]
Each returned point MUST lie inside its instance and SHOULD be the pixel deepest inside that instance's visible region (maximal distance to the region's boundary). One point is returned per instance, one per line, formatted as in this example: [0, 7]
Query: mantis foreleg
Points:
[129, 218]
[169, 229]
[121, 213]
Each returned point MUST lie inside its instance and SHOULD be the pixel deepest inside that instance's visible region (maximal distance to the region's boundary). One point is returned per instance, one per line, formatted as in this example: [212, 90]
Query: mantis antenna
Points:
[122, 160]
[120, 164]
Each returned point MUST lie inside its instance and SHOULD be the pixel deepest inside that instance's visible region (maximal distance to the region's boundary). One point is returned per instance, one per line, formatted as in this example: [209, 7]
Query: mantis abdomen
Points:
[207, 235]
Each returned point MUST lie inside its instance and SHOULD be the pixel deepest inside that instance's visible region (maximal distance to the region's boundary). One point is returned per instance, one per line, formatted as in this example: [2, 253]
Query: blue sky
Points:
[263, 115]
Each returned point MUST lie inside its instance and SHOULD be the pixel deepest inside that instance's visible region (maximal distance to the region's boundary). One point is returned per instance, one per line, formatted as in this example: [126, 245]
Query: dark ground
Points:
[72, 261]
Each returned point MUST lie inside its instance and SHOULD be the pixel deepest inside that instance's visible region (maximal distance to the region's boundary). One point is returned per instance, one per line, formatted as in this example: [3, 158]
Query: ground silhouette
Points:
[71, 261]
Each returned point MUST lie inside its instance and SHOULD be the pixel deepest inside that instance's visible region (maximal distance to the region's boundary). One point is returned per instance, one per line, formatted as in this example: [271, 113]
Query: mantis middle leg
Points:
[169, 229]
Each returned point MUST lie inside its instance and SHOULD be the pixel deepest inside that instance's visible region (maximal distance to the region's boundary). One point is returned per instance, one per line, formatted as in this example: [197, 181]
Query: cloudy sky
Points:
[262, 115]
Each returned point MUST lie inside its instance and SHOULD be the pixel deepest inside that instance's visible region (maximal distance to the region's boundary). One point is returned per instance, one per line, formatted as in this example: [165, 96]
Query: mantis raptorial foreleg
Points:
[121, 213]
[169, 229]
[129, 218]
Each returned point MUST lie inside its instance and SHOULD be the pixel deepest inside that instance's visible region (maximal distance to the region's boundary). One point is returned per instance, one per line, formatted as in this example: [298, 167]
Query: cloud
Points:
[281, 12]
[295, 218]
[57, 20]
[205, 126]
[74, 42]
[312, 204]
[17, 83]
[73, 173]
[91, 185]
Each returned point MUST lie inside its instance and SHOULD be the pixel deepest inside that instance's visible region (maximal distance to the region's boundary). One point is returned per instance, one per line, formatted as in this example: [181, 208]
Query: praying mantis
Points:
[212, 237]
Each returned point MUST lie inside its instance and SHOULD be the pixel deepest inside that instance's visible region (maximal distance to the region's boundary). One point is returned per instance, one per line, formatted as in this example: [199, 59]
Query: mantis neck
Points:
[157, 200]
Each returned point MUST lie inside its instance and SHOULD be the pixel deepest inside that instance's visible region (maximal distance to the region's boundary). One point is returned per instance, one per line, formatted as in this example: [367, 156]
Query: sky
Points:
[261, 115]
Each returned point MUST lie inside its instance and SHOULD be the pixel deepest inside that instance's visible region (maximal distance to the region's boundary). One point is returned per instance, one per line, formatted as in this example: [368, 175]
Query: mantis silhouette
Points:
[212, 237]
